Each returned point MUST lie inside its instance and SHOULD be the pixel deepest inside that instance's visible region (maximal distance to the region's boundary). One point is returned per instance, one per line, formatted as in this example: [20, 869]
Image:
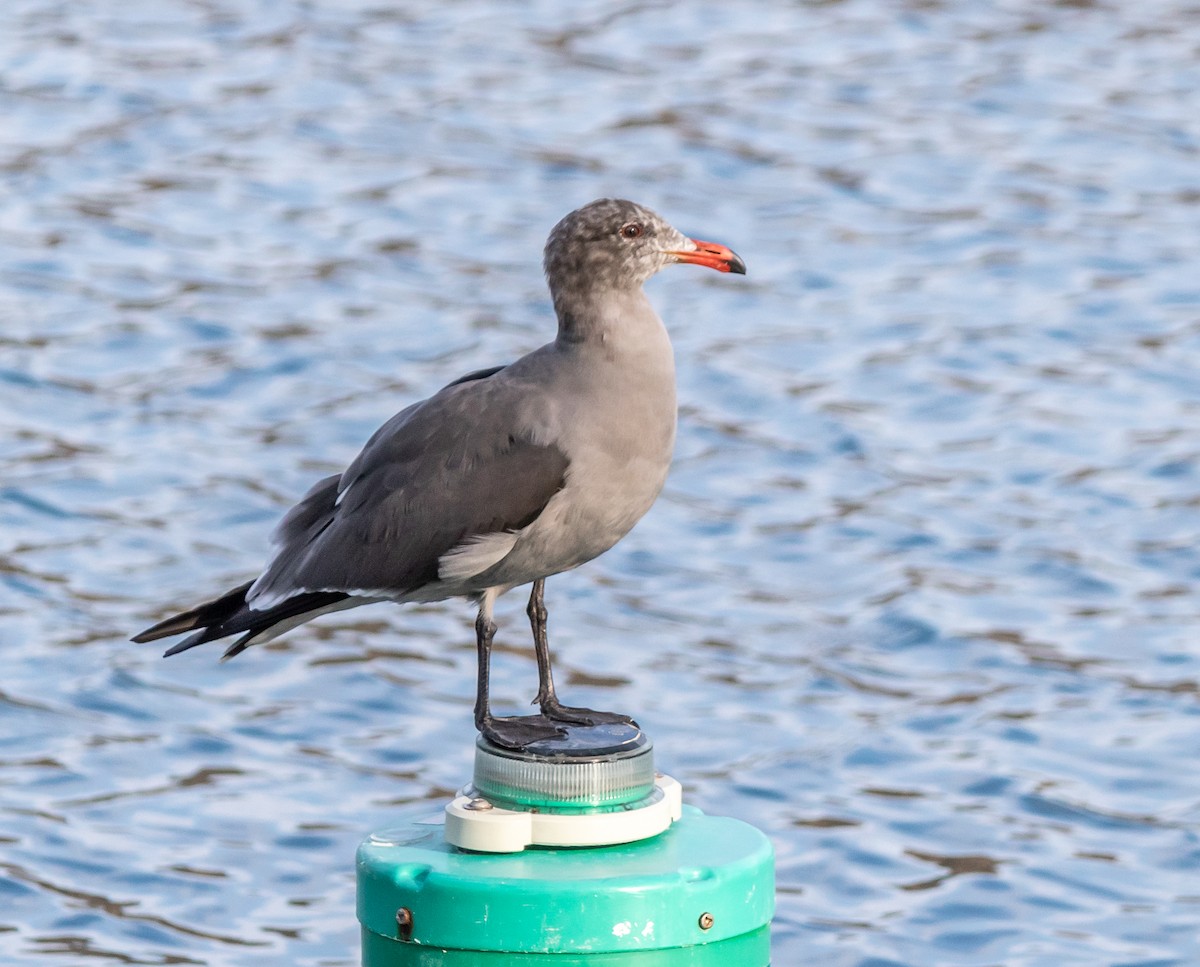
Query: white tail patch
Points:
[475, 555]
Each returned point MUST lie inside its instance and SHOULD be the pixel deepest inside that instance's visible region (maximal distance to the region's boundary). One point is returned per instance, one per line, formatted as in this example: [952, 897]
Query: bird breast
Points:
[618, 432]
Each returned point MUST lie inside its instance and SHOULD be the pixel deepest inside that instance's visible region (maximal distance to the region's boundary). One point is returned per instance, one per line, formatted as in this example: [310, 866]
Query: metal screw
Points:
[404, 923]
[478, 804]
[706, 921]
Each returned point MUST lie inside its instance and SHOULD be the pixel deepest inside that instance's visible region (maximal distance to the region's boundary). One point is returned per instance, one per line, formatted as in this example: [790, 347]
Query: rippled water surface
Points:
[919, 599]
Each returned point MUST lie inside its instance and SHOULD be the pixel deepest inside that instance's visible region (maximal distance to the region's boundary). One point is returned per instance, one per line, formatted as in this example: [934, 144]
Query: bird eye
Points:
[631, 230]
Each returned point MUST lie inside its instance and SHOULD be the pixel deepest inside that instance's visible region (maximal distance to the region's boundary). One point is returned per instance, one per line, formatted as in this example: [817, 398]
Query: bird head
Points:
[613, 243]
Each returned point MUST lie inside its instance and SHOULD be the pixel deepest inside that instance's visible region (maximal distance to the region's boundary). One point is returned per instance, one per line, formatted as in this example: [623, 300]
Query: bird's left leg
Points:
[546, 699]
[512, 732]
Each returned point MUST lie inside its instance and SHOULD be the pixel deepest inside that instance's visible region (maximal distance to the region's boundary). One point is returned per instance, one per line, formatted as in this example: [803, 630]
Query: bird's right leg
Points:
[547, 698]
[516, 732]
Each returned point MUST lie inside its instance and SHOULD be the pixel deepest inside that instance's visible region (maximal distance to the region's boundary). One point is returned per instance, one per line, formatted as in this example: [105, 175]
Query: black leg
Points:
[509, 733]
[541, 644]
[547, 699]
[485, 631]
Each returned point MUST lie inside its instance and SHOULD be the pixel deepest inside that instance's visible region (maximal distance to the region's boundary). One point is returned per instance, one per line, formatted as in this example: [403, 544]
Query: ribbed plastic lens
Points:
[570, 784]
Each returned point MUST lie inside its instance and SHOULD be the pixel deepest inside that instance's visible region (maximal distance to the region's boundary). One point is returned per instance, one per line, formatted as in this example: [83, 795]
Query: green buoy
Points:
[577, 855]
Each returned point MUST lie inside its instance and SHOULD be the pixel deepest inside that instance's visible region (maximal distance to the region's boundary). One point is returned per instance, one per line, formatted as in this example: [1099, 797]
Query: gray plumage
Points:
[503, 477]
[444, 471]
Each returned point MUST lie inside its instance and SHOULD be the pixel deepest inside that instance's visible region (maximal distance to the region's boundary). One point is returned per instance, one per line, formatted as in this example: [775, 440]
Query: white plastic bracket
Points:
[479, 825]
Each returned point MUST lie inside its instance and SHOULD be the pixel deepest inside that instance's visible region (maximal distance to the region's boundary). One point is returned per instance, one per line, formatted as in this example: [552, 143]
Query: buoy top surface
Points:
[602, 740]
[705, 879]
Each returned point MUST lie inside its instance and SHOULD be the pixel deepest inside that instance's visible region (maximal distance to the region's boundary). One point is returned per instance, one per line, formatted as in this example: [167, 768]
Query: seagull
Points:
[502, 478]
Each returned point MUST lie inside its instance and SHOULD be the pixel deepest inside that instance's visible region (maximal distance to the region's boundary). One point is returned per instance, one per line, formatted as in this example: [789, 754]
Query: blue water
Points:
[920, 596]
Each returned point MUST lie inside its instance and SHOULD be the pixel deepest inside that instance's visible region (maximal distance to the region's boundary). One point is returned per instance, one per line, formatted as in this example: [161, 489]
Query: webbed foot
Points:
[555, 711]
[517, 732]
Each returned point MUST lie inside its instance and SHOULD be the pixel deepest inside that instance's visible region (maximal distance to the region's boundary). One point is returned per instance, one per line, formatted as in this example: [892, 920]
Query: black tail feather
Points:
[191, 641]
[230, 614]
[238, 646]
[209, 613]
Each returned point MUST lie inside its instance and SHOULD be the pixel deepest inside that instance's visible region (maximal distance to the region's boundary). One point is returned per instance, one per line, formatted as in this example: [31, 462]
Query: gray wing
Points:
[457, 465]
